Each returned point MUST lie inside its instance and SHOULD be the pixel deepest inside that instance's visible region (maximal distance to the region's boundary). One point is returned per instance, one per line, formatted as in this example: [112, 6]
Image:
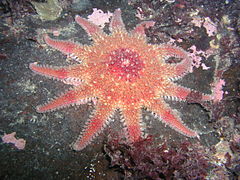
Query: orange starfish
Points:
[120, 71]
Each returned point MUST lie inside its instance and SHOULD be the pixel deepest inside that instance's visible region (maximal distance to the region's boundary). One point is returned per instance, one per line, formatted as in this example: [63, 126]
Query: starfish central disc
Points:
[125, 63]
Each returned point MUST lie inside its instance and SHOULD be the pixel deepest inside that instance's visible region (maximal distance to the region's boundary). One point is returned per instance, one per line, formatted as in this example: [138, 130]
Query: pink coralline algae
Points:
[196, 57]
[217, 90]
[10, 138]
[211, 27]
[99, 18]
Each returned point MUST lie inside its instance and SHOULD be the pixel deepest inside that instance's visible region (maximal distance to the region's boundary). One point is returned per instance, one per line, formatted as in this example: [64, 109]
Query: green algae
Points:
[48, 11]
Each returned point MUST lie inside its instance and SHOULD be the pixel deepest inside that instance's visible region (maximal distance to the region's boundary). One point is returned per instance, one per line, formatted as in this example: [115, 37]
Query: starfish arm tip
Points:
[40, 109]
[31, 65]
[45, 36]
[47, 39]
[77, 147]
[77, 18]
[189, 132]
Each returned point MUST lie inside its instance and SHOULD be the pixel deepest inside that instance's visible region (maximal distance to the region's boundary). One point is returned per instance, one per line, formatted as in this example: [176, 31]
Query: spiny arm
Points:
[132, 121]
[94, 126]
[69, 48]
[140, 27]
[117, 22]
[89, 27]
[181, 68]
[171, 118]
[69, 75]
[71, 97]
[179, 93]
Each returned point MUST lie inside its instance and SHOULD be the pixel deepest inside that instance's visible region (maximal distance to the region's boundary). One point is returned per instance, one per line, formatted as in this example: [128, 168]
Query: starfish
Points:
[120, 71]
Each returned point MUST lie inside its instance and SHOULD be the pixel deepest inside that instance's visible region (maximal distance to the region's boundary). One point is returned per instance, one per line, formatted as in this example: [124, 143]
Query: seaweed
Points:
[50, 10]
[144, 159]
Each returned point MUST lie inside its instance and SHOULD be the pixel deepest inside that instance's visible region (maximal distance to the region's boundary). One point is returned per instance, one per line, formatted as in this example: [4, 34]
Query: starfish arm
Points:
[132, 121]
[179, 69]
[140, 27]
[117, 22]
[177, 92]
[67, 47]
[71, 97]
[69, 75]
[94, 126]
[171, 118]
[89, 27]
